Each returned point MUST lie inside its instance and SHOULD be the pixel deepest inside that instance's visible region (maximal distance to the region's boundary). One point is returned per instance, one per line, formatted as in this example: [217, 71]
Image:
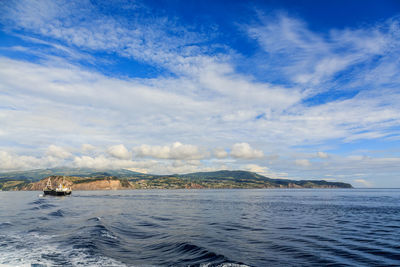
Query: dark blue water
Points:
[202, 227]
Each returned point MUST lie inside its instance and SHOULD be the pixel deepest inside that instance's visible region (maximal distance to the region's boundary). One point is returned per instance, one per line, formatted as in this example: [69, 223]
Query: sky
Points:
[287, 89]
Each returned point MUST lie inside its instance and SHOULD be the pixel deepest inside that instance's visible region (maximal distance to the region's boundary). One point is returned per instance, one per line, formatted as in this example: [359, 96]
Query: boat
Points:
[61, 190]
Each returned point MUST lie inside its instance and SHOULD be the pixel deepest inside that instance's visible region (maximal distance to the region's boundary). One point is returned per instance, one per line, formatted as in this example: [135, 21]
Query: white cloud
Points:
[102, 163]
[162, 152]
[155, 39]
[13, 162]
[257, 169]
[119, 151]
[145, 166]
[58, 152]
[176, 150]
[59, 95]
[245, 151]
[310, 58]
[265, 171]
[302, 162]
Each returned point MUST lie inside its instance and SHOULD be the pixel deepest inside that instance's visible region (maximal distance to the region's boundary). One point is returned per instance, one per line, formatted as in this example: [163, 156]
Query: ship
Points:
[61, 190]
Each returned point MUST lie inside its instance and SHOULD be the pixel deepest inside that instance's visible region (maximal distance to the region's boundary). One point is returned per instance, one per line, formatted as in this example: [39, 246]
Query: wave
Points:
[132, 232]
[5, 225]
[58, 213]
[187, 253]
[43, 206]
[38, 201]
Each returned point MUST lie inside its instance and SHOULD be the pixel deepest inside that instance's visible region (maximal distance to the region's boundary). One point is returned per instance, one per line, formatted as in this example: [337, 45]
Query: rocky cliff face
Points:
[99, 185]
[55, 181]
[77, 183]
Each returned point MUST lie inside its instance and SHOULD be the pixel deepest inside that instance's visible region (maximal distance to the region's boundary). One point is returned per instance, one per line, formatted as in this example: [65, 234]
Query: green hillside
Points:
[135, 180]
[36, 175]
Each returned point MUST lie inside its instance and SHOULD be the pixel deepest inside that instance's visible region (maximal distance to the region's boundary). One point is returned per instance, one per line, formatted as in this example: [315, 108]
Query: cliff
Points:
[78, 183]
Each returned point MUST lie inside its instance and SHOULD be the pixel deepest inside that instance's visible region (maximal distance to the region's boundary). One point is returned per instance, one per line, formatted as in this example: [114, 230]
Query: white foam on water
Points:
[29, 249]
[108, 235]
[20, 250]
[7, 265]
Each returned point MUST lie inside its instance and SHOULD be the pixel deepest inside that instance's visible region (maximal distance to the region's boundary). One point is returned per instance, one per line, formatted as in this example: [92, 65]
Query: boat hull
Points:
[56, 193]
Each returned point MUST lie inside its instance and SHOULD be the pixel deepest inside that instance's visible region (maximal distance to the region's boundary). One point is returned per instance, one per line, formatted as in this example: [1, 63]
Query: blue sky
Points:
[288, 89]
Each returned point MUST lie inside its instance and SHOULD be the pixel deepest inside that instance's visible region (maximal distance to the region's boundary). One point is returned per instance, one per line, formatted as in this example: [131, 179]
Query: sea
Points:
[233, 227]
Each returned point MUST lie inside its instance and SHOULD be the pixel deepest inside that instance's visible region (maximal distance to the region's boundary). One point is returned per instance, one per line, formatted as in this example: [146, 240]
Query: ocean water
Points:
[351, 227]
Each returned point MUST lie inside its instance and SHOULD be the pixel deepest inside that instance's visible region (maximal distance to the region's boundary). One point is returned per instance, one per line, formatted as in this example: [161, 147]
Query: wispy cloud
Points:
[314, 60]
[155, 39]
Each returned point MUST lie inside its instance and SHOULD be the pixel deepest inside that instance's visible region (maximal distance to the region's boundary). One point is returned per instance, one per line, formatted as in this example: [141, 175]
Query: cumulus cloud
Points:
[102, 162]
[58, 152]
[176, 150]
[302, 162]
[13, 162]
[245, 151]
[119, 151]
[144, 166]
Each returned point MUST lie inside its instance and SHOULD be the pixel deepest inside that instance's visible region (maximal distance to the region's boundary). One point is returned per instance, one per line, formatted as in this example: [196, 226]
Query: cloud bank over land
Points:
[93, 84]
[119, 152]
[58, 152]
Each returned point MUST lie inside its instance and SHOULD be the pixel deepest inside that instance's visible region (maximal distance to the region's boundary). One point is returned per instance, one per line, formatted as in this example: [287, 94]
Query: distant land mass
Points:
[91, 179]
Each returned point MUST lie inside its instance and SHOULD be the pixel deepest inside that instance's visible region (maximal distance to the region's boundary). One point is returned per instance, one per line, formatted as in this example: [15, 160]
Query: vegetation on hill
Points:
[36, 175]
[88, 179]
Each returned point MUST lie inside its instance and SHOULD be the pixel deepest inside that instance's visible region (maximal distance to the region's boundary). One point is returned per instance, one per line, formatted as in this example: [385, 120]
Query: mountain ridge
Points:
[126, 179]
